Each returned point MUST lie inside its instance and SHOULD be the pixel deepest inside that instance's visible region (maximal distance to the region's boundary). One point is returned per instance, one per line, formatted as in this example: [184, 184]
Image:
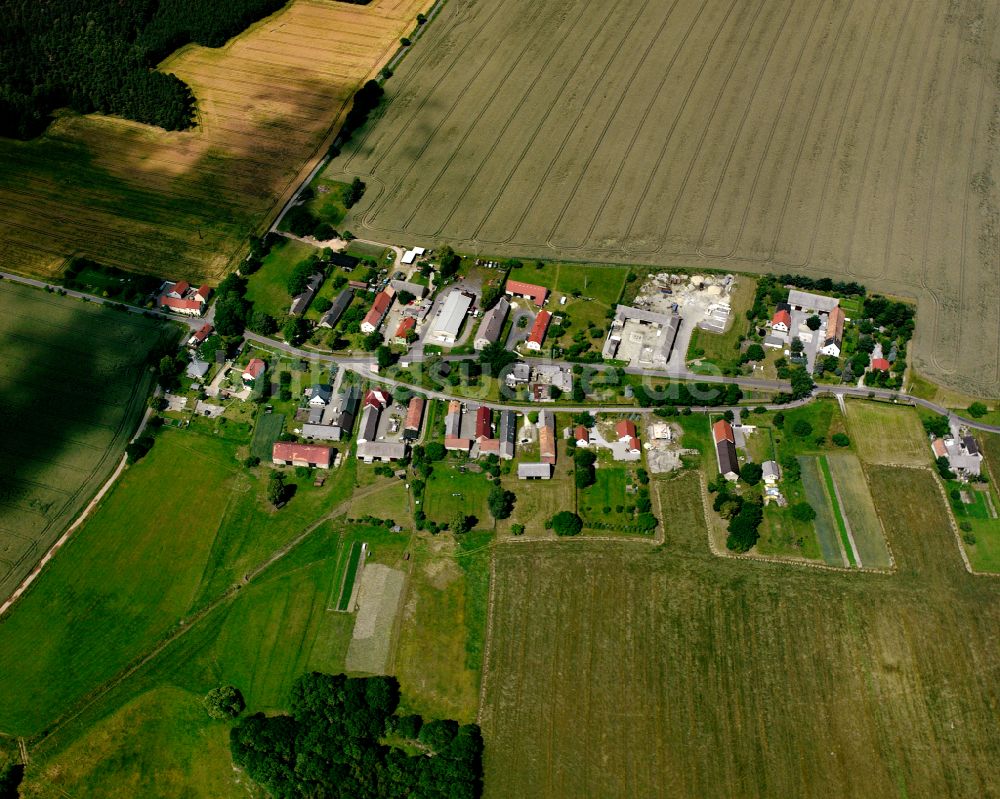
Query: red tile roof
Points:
[537, 335]
[414, 413]
[489, 445]
[452, 442]
[483, 418]
[379, 307]
[309, 453]
[536, 294]
[782, 317]
[625, 428]
[179, 304]
[633, 444]
[835, 325]
[939, 449]
[377, 398]
[204, 291]
[880, 364]
[203, 332]
[405, 327]
[180, 287]
[546, 444]
[581, 434]
[723, 431]
[255, 368]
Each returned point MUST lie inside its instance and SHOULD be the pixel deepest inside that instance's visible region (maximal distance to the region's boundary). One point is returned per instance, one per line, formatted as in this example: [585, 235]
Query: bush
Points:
[224, 702]
[566, 523]
[517, 529]
[977, 410]
[841, 439]
[802, 428]
[251, 461]
[969, 539]
[138, 449]
[803, 511]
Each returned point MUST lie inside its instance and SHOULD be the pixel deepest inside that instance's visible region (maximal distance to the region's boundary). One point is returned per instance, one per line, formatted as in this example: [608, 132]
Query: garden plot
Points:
[859, 509]
[378, 604]
[827, 530]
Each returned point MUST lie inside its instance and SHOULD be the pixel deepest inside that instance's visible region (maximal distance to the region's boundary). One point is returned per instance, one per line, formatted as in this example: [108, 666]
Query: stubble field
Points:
[842, 138]
[639, 672]
[182, 203]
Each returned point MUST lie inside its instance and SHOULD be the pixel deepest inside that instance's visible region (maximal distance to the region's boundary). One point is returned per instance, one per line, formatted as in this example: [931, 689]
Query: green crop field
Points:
[887, 434]
[634, 672]
[848, 140]
[350, 575]
[838, 512]
[265, 433]
[849, 476]
[72, 391]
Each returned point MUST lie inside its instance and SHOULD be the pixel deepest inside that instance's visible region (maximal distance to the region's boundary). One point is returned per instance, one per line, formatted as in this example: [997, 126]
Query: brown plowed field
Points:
[182, 203]
[636, 672]
[847, 138]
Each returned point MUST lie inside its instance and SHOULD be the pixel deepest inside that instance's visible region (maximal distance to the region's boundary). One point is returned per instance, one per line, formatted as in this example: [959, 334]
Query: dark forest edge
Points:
[99, 56]
[344, 739]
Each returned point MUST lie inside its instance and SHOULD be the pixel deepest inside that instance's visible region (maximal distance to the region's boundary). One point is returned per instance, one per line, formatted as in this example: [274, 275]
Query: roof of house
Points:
[324, 432]
[493, 321]
[368, 428]
[937, 445]
[539, 328]
[782, 317]
[377, 398]
[625, 428]
[180, 304]
[489, 445]
[452, 314]
[812, 302]
[508, 426]
[254, 369]
[336, 310]
[581, 433]
[197, 368]
[408, 324]
[203, 332]
[311, 453]
[529, 470]
[454, 406]
[204, 291]
[343, 259]
[835, 326]
[180, 287]
[633, 444]
[547, 436]
[380, 305]
[728, 462]
[880, 364]
[723, 431]
[455, 442]
[415, 289]
[483, 419]
[536, 294]
[392, 450]
[300, 302]
[770, 469]
[971, 445]
[321, 390]
[414, 413]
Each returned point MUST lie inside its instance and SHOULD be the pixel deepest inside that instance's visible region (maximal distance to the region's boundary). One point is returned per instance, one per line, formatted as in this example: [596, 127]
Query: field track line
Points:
[460, 196]
[433, 133]
[543, 181]
[805, 131]
[456, 146]
[849, 249]
[639, 63]
[680, 193]
[498, 194]
[645, 115]
[670, 132]
[93, 696]
[869, 28]
[735, 137]
[932, 197]
[793, 73]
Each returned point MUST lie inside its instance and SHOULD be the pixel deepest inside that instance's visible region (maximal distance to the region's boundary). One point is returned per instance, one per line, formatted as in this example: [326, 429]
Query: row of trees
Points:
[336, 743]
[98, 55]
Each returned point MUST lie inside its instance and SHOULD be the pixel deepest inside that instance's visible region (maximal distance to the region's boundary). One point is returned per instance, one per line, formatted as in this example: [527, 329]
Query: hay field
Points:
[182, 203]
[72, 391]
[888, 434]
[629, 672]
[849, 139]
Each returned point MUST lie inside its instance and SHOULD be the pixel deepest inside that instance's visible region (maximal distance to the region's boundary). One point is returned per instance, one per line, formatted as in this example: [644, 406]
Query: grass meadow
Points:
[660, 658]
[73, 386]
[887, 434]
[267, 288]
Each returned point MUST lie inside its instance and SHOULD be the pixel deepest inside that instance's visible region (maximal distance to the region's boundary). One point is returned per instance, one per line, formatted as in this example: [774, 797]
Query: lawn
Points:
[859, 509]
[267, 288]
[607, 502]
[265, 433]
[73, 387]
[601, 284]
[887, 434]
[444, 626]
[362, 249]
[449, 489]
[982, 542]
[327, 202]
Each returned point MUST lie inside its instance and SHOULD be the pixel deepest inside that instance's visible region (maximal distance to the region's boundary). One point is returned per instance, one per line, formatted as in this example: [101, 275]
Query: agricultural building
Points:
[508, 434]
[834, 333]
[285, 453]
[380, 307]
[335, 311]
[547, 437]
[414, 418]
[343, 260]
[384, 451]
[484, 428]
[453, 420]
[725, 450]
[492, 324]
[451, 316]
[811, 303]
[537, 294]
[399, 286]
[538, 330]
[411, 255]
[368, 429]
[301, 302]
[181, 298]
[643, 338]
[534, 471]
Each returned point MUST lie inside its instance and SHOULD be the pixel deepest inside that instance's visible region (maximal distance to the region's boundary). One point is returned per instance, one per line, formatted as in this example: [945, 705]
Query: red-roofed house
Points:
[380, 307]
[484, 429]
[834, 333]
[457, 444]
[288, 453]
[880, 365]
[537, 294]
[940, 451]
[403, 331]
[253, 370]
[186, 307]
[582, 436]
[781, 321]
[538, 330]
[203, 293]
[414, 418]
[723, 431]
[200, 335]
[632, 445]
[377, 398]
[625, 429]
[179, 289]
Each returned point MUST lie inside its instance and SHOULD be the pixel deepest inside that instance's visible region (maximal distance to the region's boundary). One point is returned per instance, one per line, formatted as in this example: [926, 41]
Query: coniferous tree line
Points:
[99, 55]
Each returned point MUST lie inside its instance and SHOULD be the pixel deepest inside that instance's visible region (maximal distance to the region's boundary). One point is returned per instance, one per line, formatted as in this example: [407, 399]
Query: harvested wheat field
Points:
[182, 203]
[847, 138]
[631, 671]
